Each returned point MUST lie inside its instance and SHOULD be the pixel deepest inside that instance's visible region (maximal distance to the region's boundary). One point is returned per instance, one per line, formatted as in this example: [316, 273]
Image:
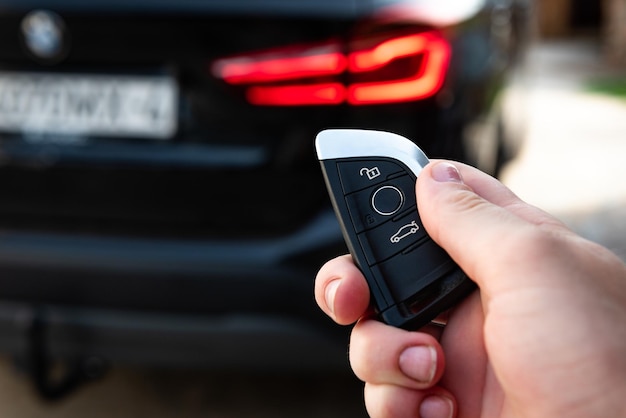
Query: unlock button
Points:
[361, 174]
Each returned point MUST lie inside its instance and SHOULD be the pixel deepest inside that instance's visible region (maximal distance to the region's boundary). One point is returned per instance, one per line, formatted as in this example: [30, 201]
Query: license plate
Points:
[100, 105]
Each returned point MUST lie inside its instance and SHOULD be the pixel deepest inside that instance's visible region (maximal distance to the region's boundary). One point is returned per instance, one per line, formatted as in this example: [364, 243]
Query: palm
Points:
[538, 372]
[468, 374]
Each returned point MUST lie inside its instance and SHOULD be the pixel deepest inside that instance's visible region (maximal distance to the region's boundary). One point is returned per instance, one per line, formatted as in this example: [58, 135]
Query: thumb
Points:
[484, 227]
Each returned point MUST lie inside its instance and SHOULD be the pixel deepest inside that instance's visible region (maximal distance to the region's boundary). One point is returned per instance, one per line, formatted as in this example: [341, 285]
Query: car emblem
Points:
[45, 35]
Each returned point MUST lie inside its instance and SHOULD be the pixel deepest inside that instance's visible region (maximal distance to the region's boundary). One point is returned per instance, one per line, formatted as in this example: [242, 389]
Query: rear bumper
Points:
[181, 303]
[222, 342]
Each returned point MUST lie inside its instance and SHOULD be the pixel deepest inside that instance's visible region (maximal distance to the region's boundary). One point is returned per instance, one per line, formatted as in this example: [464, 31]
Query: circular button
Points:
[387, 200]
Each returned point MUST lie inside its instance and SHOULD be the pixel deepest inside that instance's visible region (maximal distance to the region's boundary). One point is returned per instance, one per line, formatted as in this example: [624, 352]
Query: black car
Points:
[160, 199]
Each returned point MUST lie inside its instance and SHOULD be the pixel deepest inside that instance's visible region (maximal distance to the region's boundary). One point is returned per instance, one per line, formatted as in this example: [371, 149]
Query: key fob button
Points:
[387, 200]
[410, 271]
[361, 204]
[358, 175]
[392, 237]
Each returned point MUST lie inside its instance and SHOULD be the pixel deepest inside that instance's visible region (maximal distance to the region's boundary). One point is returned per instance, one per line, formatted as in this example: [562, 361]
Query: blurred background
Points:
[571, 163]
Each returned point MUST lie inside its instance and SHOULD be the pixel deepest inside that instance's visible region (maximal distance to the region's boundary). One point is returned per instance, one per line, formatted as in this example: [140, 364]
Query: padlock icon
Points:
[371, 173]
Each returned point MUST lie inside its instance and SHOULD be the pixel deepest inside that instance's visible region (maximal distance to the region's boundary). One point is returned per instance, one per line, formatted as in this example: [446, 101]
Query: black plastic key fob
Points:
[371, 177]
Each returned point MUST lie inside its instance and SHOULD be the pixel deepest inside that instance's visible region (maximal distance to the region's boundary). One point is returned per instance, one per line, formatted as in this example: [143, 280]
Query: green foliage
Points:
[609, 86]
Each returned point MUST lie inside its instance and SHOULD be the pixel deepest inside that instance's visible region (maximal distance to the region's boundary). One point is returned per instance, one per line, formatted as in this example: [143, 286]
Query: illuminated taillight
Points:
[297, 95]
[281, 65]
[394, 69]
[423, 81]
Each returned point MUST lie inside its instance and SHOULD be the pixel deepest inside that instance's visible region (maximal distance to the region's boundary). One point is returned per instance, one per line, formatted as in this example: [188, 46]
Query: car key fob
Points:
[371, 177]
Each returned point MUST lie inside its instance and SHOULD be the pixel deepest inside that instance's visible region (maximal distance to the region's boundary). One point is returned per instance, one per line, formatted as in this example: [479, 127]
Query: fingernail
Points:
[331, 291]
[446, 172]
[419, 363]
[436, 407]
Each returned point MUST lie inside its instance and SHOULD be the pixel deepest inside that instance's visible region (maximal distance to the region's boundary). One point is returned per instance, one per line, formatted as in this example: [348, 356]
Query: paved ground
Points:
[136, 393]
[574, 160]
[573, 165]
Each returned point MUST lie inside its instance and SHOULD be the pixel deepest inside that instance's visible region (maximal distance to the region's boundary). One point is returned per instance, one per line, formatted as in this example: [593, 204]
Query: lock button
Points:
[387, 200]
[376, 205]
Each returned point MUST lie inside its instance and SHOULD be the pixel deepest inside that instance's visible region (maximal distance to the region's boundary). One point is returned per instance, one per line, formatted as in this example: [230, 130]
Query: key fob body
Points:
[371, 178]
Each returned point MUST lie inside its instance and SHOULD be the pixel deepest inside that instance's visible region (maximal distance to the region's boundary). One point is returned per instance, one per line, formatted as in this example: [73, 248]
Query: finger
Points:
[386, 401]
[381, 354]
[492, 190]
[476, 229]
[341, 290]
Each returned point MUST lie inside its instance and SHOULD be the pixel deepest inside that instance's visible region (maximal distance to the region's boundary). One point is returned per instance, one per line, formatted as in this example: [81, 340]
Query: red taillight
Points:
[423, 82]
[297, 95]
[398, 69]
[281, 66]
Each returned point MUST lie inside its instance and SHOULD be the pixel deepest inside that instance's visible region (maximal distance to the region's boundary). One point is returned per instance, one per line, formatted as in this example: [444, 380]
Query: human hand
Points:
[544, 337]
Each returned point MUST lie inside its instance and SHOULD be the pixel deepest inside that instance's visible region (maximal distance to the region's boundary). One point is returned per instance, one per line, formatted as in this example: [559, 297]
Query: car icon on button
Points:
[405, 231]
